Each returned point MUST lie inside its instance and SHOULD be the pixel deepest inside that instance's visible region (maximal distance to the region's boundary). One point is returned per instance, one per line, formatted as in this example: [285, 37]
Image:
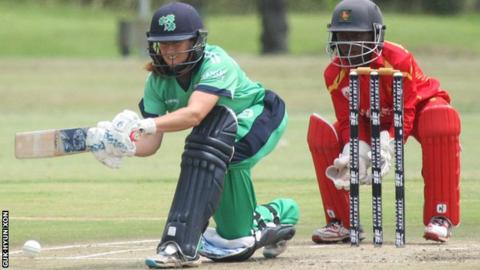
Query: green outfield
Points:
[76, 199]
[61, 201]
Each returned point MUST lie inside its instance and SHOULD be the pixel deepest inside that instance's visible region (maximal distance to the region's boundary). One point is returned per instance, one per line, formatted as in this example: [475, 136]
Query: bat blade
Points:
[50, 143]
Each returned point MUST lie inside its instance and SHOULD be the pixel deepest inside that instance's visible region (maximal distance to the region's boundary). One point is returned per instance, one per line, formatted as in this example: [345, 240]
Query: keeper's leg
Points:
[438, 131]
[325, 147]
[207, 153]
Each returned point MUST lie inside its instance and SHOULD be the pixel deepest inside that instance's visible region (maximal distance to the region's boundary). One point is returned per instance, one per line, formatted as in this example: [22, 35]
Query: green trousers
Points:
[234, 216]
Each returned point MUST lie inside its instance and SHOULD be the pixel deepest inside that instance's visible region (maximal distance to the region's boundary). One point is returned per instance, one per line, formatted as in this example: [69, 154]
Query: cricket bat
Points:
[50, 143]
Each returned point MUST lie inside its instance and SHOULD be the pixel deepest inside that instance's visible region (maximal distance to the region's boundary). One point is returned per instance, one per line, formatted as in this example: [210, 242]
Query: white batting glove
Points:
[108, 160]
[339, 172]
[128, 122]
[94, 142]
[147, 126]
[106, 137]
[116, 143]
[125, 122]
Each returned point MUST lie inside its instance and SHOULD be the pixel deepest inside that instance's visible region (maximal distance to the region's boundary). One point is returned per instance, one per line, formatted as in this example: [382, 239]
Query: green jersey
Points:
[218, 74]
[260, 113]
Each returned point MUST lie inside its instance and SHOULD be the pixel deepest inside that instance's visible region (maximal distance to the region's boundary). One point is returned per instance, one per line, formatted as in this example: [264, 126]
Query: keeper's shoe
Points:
[439, 229]
[334, 232]
[170, 257]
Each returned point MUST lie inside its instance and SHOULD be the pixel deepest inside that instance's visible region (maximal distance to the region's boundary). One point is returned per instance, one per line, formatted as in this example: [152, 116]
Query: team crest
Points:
[345, 15]
[168, 22]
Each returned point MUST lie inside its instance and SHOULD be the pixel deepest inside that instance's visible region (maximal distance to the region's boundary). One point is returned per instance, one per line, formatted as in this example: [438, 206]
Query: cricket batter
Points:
[357, 40]
[235, 121]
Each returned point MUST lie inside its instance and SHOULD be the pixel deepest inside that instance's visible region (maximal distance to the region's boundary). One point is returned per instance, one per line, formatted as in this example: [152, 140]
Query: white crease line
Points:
[107, 253]
[86, 218]
[93, 245]
[95, 258]
[314, 246]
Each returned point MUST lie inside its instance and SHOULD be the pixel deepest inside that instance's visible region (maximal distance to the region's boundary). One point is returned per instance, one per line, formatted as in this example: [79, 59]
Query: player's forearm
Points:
[181, 119]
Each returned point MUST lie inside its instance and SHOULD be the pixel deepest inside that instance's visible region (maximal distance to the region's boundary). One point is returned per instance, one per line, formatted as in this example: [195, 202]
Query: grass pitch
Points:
[76, 199]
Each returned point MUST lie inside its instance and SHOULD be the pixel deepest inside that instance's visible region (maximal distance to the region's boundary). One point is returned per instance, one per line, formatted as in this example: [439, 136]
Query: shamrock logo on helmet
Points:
[168, 22]
[345, 15]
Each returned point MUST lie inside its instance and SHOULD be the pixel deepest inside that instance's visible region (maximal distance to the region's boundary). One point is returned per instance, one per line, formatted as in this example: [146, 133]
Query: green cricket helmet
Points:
[356, 16]
[176, 22]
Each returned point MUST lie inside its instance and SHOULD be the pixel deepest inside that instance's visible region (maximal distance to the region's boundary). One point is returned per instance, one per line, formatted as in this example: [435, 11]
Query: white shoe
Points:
[439, 229]
[170, 257]
[272, 251]
[333, 232]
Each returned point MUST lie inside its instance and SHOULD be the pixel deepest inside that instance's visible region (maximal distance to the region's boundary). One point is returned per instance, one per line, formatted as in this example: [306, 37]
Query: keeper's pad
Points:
[207, 153]
[325, 147]
[438, 133]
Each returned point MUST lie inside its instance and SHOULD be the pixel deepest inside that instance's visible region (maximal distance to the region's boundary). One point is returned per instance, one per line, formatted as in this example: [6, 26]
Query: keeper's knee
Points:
[437, 121]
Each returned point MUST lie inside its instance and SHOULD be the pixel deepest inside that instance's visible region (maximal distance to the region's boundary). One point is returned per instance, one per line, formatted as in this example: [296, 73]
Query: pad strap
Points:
[261, 223]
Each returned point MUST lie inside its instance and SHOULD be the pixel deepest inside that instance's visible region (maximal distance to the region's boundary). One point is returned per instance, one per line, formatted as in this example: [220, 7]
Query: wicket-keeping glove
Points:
[339, 172]
[387, 150]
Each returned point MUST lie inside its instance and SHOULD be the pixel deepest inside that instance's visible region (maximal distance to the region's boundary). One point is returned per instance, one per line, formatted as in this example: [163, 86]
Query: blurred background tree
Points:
[441, 7]
[262, 26]
[274, 37]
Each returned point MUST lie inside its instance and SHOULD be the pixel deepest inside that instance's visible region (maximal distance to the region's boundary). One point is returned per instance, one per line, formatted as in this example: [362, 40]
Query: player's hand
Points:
[108, 160]
[125, 122]
[339, 172]
[95, 143]
[106, 137]
[387, 149]
[128, 122]
[116, 143]
[147, 126]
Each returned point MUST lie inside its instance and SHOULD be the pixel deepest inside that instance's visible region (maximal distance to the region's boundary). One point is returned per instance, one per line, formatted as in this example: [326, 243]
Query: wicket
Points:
[354, 104]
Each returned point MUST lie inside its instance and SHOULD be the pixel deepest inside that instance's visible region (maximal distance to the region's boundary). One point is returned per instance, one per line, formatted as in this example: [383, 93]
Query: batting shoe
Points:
[272, 251]
[334, 232]
[439, 229]
[171, 257]
[274, 239]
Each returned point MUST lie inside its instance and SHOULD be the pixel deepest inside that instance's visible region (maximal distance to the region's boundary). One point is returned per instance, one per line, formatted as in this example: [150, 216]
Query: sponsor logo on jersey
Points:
[172, 101]
[168, 22]
[214, 74]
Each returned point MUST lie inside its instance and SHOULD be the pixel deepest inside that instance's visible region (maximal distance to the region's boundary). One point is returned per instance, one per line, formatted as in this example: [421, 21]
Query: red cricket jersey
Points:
[417, 87]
